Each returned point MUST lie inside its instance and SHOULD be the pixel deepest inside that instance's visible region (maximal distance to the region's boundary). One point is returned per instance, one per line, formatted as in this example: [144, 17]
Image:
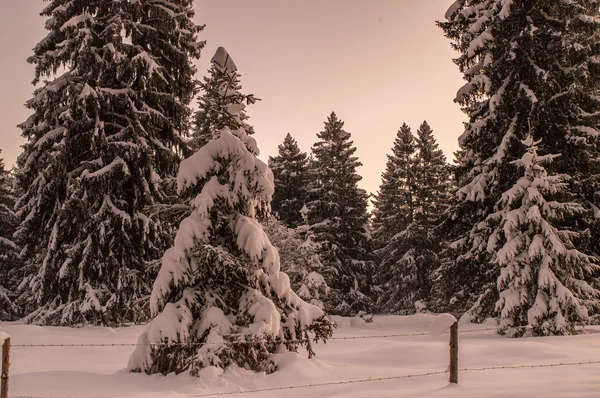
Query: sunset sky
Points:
[376, 63]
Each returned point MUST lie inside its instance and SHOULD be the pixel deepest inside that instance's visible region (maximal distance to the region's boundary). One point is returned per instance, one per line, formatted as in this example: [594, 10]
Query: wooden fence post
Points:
[5, 366]
[454, 353]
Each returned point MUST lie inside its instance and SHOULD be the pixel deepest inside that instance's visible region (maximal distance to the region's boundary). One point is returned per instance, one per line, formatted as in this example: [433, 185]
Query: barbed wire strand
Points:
[373, 379]
[545, 365]
[241, 342]
[36, 396]
[380, 336]
[329, 383]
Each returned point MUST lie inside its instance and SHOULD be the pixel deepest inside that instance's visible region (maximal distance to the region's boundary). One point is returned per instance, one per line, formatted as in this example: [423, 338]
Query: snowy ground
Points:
[62, 372]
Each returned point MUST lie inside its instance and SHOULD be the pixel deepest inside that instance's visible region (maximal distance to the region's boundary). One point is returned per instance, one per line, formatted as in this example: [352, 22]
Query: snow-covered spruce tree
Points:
[339, 221]
[530, 67]
[410, 257]
[393, 213]
[9, 252]
[299, 259]
[394, 202]
[104, 135]
[542, 275]
[432, 179]
[290, 170]
[221, 283]
[219, 92]
[432, 198]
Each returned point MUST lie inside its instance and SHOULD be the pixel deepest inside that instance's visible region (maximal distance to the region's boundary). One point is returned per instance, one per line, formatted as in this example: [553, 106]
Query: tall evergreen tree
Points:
[410, 256]
[9, 252]
[432, 179]
[220, 91]
[103, 137]
[393, 213]
[339, 220]
[531, 69]
[290, 170]
[536, 286]
[221, 282]
[394, 202]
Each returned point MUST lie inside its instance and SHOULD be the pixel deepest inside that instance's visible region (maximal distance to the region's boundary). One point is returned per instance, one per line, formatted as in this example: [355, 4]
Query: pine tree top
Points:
[220, 99]
[428, 147]
[289, 157]
[404, 143]
[335, 148]
[6, 194]
[290, 149]
[290, 170]
[334, 130]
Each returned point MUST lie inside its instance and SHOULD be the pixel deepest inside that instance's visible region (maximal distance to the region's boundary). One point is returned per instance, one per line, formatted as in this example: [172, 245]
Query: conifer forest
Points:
[141, 197]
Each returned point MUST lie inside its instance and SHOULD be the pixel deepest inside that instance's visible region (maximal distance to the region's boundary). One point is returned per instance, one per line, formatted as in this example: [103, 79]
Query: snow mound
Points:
[466, 318]
[3, 337]
[357, 321]
[441, 324]
[210, 373]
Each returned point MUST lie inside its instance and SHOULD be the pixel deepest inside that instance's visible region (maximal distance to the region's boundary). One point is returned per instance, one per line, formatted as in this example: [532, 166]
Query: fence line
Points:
[544, 365]
[380, 336]
[365, 380]
[372, 379]
[27, 396]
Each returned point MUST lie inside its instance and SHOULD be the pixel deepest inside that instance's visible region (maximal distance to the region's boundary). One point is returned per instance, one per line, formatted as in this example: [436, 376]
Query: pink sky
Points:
[376, 63]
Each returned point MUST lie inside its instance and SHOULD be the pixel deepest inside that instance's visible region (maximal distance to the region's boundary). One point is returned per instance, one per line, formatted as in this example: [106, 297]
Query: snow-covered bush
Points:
[220, 298]
[299, 260]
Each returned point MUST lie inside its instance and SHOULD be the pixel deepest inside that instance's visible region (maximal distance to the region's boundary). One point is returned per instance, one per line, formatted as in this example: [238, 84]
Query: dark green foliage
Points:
[338, 219]
[102, 144]
[220, 91]
[9, 252]
[394, 202]
[291, 178]
[220, 283]
[531, 68]
[408, 258]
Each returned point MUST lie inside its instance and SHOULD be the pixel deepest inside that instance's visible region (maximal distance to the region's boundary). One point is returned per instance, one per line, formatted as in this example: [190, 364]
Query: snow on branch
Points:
[76, 20]
[116, 164]
[223, 61]
[589, 131]
[255, 243]
[50, 136]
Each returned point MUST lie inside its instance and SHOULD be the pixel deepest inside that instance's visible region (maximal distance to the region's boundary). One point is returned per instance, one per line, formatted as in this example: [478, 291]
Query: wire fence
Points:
[322, 384]
[325, 384]
[374, 379]
[237, 342]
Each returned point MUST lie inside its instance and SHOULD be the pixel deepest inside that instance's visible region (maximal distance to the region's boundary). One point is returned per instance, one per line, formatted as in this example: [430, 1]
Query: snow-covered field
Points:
[76, 372]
